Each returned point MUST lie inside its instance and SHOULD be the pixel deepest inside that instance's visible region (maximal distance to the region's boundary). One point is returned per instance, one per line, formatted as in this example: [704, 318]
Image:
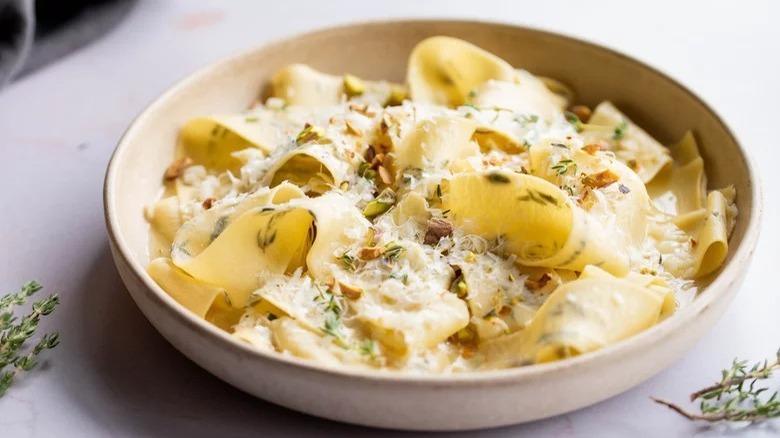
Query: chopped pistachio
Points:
[208, 203]
[353, 86]
[371, 235]
[177, 167]
[466, 335]
[538, 284]
[370, 252]
[384, 175]
[363, 168]
[583, 112]
[309, 133]
[352, 129]
[351, 292]
[375, 208]
[601, 179]
[437, 229]
[397, 95]
[592, 148]
[462, 289]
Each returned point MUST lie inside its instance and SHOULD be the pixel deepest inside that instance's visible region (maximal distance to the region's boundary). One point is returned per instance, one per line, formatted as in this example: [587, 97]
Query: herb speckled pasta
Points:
[471, 218]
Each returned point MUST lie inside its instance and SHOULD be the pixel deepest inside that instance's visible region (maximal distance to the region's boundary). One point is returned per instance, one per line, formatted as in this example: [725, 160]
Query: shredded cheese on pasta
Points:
[464, 220]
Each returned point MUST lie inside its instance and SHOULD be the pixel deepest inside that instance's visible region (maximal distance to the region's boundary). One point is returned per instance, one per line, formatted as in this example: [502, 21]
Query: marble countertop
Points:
[114, 375]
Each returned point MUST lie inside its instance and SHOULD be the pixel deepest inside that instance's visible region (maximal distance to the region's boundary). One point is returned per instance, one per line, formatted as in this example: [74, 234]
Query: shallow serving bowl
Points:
[379, 50]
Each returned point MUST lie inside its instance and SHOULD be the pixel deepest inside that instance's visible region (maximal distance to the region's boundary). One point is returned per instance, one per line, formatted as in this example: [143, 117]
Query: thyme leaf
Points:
[368, 347]
[563, 167]
[575, 121]
[620, 130]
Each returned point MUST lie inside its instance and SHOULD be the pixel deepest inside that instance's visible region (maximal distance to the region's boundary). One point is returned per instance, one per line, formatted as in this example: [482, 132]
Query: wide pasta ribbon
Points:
[525, 95]
[199, 232]
[211, 141]
[589, 313]
[622, 205]
[631, 144]
[247, 244]
[436, 144]
[403, 326]
[316, 167]
[541, 225]
[301, 85]
[444, 70]
[679, 193]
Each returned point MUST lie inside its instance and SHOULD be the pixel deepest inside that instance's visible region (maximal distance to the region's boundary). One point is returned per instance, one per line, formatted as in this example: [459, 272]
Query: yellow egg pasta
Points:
[475, 217]
[581, 316]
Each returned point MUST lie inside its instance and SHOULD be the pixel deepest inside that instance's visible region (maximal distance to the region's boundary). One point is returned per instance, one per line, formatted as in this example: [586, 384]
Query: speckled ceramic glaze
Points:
[379, 50]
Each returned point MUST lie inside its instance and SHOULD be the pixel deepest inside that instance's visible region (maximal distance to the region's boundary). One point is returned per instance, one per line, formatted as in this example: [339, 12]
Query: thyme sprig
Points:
[14, 333]
[736, 397]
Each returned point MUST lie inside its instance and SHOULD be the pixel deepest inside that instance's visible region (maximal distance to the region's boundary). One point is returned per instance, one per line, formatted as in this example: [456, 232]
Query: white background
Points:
[113, 375]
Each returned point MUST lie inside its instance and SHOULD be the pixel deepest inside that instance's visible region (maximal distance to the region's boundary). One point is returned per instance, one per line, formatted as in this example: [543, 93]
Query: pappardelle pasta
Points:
[471, 218]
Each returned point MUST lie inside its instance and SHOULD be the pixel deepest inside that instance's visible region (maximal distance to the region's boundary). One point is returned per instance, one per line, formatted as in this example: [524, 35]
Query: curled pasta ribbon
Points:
[632, 145]
[493, 297]
[245, 246]
[525, 95]
[436, 143]
[197, 233]
[262, 240]
[195, 295]
[623, 212]
[713, 234]
[165, 217]
[290, 336]
[679, 192]
[540, 224]
[310, 166]
[589, 313]
[301, 85]
[558, 88]
[403, 326]
[444, 70]
[681, 188]
[489, 138]
[211, 141]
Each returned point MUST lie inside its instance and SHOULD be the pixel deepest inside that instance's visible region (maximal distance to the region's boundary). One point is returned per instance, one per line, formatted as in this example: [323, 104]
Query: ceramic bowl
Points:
[379, 50]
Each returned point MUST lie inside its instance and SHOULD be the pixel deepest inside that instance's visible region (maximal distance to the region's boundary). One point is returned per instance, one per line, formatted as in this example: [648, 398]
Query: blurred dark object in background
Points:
[34, 33]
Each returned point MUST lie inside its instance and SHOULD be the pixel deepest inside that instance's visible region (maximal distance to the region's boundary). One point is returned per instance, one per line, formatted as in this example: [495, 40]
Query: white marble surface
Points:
[113, 375]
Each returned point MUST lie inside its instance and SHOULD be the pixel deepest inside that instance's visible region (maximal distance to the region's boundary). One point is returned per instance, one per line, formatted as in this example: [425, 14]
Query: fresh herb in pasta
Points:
[467, 219]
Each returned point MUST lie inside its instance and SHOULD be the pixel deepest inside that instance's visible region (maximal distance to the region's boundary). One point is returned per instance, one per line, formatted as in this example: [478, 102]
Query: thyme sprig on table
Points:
[737, 396]
[14, 333]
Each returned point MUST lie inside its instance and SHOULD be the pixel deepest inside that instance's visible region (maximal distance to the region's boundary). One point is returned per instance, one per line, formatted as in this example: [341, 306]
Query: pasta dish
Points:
[474, 217]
